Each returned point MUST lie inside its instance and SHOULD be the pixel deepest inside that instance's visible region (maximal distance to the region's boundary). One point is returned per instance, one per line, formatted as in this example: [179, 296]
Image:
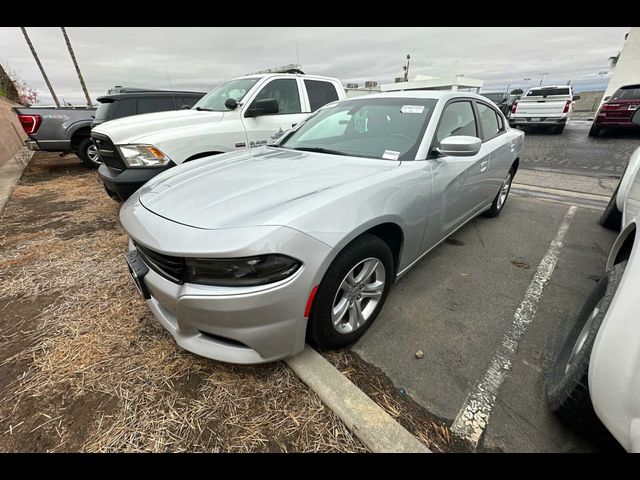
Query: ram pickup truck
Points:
[58, 129]
[244, 112]
[544, 106]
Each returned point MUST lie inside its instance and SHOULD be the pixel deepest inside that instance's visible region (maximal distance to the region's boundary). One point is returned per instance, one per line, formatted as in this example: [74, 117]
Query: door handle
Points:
[484, 165]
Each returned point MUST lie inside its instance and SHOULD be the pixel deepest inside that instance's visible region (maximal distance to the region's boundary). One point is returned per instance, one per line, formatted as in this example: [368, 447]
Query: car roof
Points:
[434, 94]
[264, 75]
[550, 86]
[146, 93]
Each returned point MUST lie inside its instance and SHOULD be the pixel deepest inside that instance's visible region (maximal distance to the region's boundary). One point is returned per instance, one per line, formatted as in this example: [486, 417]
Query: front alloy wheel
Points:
[351, 293]
[358, 295]
[501, 198]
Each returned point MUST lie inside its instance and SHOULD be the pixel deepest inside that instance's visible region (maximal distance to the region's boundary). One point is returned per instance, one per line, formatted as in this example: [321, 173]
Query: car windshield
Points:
[103, 111]
[236, 89]
[494, 97]
[380, 128]
[629, 93]
[546, 92]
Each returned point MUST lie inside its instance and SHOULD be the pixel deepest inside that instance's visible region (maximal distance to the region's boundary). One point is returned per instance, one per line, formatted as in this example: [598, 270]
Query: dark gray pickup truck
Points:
[58, 129]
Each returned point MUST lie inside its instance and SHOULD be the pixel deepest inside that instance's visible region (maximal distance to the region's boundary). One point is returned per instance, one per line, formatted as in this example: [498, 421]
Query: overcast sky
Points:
[199, 58]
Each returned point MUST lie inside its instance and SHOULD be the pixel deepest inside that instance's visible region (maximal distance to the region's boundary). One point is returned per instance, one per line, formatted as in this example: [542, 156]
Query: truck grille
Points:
[109, 154]
[171, 268]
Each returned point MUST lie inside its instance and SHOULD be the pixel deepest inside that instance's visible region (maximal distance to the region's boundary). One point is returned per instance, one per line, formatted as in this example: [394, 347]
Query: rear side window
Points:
[105, 110]
[125, 108]
[490, 121]
[155, 104]
[627, 93]
[457, 119]
[320, 93]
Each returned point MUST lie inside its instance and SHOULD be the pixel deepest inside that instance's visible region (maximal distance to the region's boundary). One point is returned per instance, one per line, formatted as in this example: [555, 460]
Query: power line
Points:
[75, 64]
[44, 75]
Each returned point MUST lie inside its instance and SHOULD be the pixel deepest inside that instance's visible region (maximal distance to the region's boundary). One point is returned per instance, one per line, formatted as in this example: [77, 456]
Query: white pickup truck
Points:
[241, 113]
[544, 106]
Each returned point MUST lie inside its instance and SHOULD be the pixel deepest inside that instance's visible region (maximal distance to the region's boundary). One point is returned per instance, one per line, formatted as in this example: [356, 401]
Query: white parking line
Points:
[473, 417]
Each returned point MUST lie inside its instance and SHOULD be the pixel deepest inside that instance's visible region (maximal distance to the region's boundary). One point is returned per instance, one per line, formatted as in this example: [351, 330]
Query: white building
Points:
[424, 82]
[627, 70]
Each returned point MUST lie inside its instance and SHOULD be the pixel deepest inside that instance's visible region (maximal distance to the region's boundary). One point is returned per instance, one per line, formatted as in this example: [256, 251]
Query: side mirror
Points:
[265, 106]
[459, 146]
[185, 107]
[576, 97]
[231, 103]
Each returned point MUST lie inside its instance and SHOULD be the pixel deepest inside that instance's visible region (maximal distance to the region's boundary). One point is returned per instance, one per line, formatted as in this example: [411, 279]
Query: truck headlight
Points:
[237, 272]
[143, 156]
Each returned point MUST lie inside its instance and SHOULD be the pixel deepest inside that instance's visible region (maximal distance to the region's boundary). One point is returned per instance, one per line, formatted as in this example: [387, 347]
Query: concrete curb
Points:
[365, 418]
[10, 173]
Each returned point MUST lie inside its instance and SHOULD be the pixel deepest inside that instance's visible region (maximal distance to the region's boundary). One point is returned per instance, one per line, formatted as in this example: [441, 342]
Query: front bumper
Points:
[232, 324]
[521, 121]
[121, 184]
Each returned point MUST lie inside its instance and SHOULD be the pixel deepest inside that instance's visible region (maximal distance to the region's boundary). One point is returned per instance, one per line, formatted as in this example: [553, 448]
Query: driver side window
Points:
[457, 119]
[285, 91]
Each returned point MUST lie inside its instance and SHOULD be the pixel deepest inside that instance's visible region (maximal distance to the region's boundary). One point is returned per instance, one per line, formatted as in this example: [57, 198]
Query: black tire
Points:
[320, 329]
[83, 153]
[496, 206]
[611, 217]
[567, 381]
[594, 131]
[559, 129]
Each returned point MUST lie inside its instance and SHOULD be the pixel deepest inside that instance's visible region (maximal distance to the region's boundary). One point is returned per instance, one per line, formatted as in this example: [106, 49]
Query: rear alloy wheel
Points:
[567, 383]
[351, 293]
[88, 153]
[501, 197]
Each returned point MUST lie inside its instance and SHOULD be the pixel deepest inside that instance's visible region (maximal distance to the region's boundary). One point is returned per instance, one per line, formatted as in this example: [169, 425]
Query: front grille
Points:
[171, 268]
[109, 154]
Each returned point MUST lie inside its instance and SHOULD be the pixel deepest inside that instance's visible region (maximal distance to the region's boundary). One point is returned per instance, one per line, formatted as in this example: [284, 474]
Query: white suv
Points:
[241, 113]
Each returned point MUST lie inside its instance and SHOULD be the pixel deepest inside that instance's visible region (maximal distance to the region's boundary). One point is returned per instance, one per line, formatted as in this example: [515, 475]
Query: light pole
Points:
[526, 82]
[602, 74]
[542, 75]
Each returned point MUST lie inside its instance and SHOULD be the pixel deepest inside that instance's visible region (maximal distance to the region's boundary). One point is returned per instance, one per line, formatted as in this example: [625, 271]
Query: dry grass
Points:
[88, 368]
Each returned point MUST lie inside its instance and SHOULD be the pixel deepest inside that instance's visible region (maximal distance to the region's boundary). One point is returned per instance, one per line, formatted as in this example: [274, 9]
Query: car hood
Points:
[267, 186]
[136, 127]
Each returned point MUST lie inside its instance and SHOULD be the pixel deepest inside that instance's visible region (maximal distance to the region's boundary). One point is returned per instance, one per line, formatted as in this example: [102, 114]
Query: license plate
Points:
[137, 271]
[535, 119]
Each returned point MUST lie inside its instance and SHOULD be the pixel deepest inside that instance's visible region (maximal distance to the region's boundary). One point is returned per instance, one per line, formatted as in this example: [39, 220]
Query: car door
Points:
[498, 148]
[458, 192]
[265, 129]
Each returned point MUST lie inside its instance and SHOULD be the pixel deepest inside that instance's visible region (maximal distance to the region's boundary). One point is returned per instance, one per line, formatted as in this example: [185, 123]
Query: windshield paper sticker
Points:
[390, 155]
[412, 109]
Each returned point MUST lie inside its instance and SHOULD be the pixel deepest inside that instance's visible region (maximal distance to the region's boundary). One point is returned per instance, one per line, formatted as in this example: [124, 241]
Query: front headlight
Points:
[143, 156]
[236, 272]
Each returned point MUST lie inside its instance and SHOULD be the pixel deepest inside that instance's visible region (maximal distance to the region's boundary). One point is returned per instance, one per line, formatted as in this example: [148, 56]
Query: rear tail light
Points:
[514, 107]
[610, 106]
[30, 123]
[566, 106]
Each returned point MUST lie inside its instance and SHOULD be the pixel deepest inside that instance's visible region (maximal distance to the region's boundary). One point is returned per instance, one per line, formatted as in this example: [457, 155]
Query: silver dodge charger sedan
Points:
[244, 256]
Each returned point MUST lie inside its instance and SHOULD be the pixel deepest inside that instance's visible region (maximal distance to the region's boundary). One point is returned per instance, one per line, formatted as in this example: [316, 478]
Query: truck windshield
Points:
[546, 92]
[236, 89]
[381, 128]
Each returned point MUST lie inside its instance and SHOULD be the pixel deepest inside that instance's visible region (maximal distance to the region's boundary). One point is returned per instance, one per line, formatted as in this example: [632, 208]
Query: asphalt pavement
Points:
[574, 151]
[461, 304]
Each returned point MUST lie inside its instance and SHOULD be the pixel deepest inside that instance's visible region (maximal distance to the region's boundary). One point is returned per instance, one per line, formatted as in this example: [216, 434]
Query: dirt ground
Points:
[84, 366]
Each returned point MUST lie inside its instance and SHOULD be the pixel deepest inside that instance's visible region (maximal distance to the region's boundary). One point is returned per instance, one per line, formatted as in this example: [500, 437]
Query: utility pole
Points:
[406, 69]
[542, 75]
[44, 75]
[75, 64]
